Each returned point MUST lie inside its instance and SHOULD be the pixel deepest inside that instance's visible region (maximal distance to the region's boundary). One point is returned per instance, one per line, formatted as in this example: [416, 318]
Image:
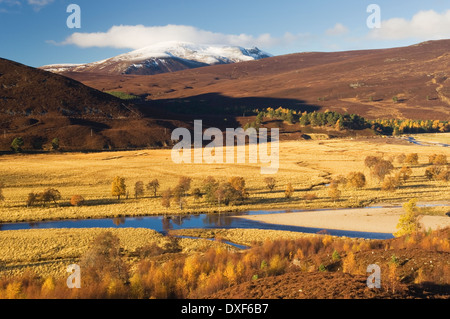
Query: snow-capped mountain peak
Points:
[166, 57]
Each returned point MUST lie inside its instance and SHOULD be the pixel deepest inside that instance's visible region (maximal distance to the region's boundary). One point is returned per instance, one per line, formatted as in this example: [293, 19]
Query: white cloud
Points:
[139, 36]
[338, 29]
[425, 25]
[36, 4]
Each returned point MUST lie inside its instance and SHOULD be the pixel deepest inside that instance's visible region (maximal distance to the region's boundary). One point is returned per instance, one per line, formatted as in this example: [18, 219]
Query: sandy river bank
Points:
[369, 219]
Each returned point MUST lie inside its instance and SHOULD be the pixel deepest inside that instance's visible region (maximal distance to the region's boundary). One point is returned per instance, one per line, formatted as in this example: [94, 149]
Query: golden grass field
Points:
[308, 165]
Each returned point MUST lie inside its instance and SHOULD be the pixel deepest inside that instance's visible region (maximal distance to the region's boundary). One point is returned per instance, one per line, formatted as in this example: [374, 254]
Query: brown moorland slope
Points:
[364, 82]
[40, 106]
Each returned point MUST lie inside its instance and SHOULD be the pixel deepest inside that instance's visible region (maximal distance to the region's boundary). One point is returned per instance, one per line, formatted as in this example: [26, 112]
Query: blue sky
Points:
[35, 33]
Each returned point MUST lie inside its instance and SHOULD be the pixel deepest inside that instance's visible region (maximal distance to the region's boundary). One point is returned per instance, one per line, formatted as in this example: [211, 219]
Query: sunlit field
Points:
[308, 165]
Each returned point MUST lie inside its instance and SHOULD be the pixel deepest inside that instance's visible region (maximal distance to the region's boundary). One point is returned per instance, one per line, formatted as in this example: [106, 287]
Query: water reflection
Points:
[119, 221]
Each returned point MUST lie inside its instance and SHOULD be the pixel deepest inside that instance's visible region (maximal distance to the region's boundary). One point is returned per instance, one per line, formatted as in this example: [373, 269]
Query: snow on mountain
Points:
[165, 57]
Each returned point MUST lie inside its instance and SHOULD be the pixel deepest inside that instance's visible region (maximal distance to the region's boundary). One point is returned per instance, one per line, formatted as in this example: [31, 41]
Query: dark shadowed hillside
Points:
[40, 106]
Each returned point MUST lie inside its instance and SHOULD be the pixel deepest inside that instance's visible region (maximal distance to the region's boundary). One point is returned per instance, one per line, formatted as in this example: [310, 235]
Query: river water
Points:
[164, 224]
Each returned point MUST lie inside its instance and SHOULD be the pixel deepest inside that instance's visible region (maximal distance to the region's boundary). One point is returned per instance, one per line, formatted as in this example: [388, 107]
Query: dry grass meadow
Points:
[307, 165]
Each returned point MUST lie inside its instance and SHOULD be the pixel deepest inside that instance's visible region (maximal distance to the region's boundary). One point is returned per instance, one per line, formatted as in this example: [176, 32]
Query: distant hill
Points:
[40, 106]
[405, 83]
[163, 58]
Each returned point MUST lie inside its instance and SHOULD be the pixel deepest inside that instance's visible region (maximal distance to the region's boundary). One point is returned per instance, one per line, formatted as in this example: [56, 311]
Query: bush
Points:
[310, 196]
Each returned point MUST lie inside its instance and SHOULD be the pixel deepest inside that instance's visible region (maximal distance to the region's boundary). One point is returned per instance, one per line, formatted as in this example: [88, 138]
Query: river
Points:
[164, 224]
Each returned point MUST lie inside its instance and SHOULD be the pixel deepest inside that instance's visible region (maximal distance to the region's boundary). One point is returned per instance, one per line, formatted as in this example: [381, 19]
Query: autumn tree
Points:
[119, 188]
[412, 159]
[381, 169]
[334, 193]
[138, 189]
[270, 183]
[371, 161]
[401, 158]
[166, 197]
[153, 186]
[47, 196]
[409, 221]
[197, 193]
[103, 261]
[180, 191]
[356, 180]
[210, 186]
[440, 159]
[17, 144]
[2, 198]
[238, 184]
[390, 183]
[289, 191]
[405, 173]
[55, 144]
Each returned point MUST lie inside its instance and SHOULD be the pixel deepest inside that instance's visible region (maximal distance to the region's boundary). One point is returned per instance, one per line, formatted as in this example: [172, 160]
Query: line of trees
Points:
[341, 121]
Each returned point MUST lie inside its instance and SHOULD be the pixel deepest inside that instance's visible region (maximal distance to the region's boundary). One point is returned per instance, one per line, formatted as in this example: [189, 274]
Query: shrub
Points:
[336, 256]
[310, 196]
[77, 200]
